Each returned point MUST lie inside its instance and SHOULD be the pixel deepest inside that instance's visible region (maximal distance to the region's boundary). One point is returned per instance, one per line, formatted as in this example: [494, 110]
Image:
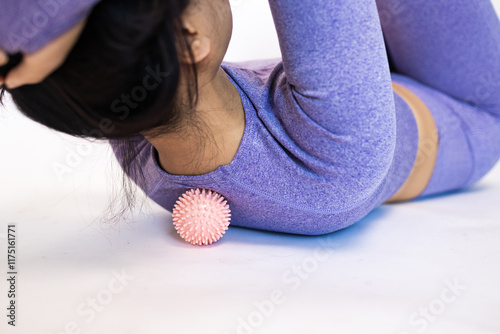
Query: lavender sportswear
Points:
[326, 139]
[28, 25]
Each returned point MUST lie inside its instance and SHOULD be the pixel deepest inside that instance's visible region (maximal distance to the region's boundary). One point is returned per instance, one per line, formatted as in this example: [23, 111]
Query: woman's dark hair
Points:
[120, 79]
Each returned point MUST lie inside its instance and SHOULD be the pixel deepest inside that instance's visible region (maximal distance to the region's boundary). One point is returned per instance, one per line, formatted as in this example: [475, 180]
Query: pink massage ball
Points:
[201, 217]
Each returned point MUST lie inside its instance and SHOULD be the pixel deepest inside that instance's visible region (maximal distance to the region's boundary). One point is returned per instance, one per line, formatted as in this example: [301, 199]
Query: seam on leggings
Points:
[467, 131]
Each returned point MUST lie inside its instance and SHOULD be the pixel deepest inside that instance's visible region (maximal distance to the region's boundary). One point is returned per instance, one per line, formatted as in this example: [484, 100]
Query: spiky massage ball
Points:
[201, 217]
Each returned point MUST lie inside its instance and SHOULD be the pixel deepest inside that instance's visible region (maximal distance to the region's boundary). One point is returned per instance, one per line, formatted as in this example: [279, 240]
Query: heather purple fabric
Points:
[326, 140]
[27, 25]
[451, 51]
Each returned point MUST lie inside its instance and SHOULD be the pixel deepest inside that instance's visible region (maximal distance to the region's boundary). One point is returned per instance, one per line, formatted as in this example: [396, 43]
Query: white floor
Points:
[428, 266]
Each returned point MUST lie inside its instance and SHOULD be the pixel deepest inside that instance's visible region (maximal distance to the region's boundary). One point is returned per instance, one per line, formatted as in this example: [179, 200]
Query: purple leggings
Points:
[448, 53]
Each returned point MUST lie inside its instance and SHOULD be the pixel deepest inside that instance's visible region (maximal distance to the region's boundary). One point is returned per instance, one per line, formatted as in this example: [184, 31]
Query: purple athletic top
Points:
[290, 173]
[317, 154]
[326, 140]
[322, 146]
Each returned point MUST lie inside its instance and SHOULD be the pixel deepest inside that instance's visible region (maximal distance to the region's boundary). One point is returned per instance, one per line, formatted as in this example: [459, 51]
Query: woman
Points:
[308, 144]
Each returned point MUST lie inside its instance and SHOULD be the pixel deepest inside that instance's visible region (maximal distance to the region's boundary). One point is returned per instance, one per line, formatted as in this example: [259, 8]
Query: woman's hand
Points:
[3, 58]
[35, 67]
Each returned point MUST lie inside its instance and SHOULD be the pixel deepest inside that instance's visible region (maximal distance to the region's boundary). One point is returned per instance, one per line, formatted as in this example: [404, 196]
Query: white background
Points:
[378, 276]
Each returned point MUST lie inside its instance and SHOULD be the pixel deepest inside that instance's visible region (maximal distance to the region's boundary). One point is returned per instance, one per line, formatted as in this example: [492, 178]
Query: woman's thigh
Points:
[450, 45]
[468, 138]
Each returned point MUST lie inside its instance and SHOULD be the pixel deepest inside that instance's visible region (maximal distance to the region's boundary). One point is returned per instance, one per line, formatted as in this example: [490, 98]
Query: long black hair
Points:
[120, 79]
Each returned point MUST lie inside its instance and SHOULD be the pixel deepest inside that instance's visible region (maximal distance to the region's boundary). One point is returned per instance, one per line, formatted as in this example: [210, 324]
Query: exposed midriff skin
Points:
[428, 142]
